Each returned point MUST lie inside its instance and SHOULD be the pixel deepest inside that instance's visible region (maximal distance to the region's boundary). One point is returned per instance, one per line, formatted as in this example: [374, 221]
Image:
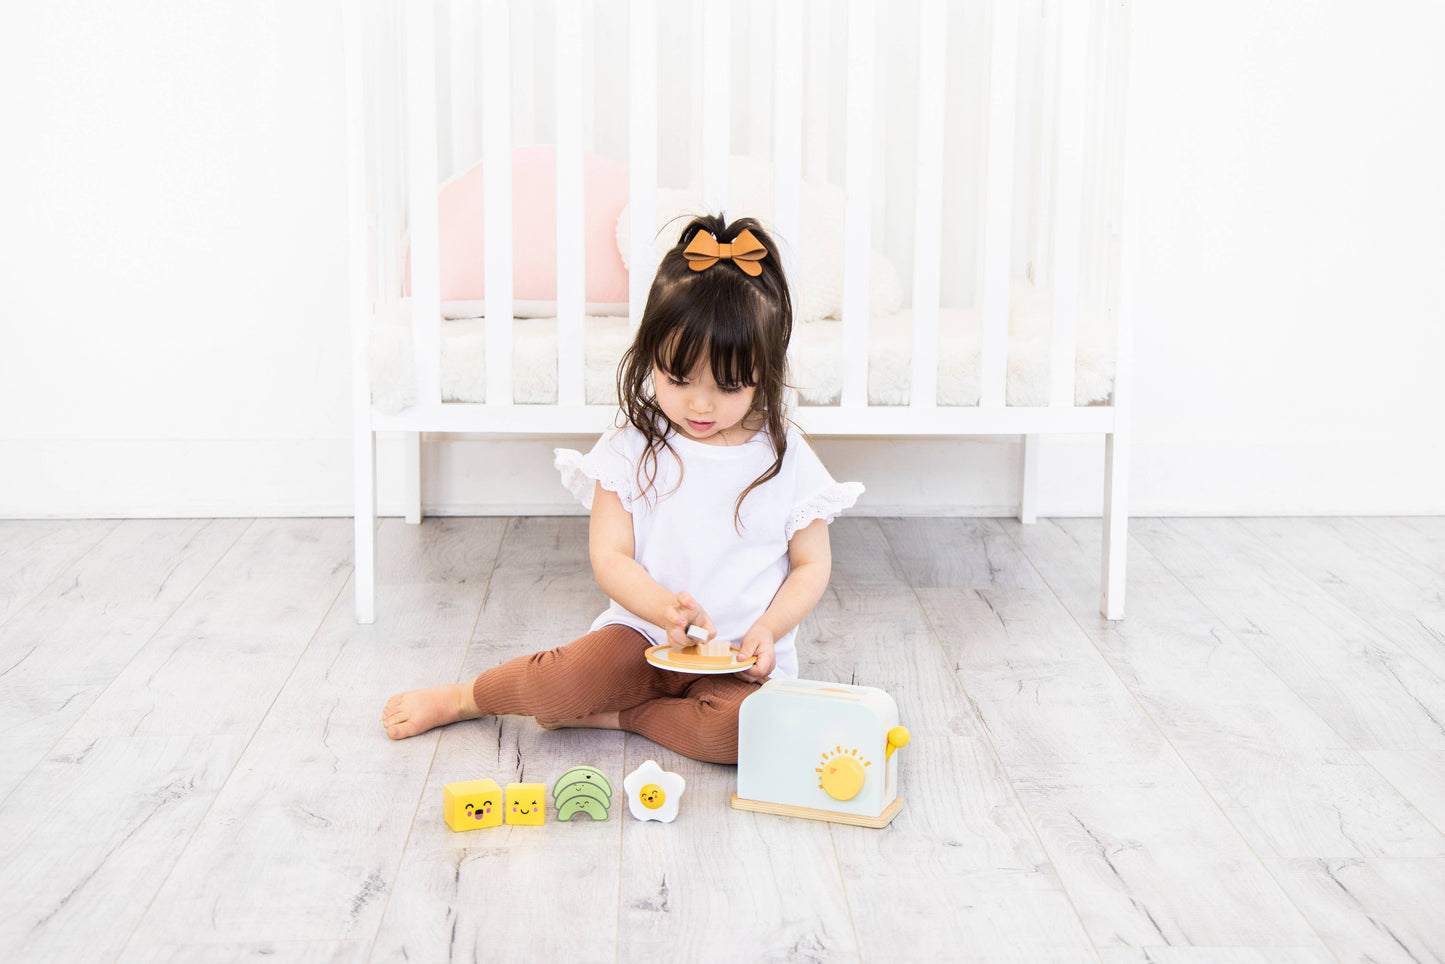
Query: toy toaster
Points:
[820, 750]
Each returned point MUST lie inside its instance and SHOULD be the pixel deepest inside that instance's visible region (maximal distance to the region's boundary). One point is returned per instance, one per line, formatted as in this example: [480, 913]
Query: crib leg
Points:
[1116, 524]
[364, 480]
[412, 454]
[1029, 485]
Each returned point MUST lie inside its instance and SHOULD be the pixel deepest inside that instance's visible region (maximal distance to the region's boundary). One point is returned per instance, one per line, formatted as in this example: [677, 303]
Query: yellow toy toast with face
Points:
[526, 803]
[472, 805]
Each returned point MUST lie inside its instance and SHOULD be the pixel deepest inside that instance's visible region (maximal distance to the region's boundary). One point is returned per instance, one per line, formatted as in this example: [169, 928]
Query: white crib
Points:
[1078, 241]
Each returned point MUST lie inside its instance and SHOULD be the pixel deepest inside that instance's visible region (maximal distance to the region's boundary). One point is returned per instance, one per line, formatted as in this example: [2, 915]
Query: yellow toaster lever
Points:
[898, 736]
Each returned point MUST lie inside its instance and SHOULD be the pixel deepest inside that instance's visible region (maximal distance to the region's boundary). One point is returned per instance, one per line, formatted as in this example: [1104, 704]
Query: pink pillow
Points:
[534, 229]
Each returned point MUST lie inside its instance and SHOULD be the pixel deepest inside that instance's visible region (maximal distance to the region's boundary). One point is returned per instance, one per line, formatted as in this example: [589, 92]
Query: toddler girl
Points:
[708, 509]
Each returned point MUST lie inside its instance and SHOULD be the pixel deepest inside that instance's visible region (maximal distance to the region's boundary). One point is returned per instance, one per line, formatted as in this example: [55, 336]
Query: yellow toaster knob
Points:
[898, 736]
[842, 777]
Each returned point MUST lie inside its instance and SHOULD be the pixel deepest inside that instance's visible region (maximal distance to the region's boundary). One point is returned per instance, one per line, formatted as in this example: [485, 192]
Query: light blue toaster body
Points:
[790, 728]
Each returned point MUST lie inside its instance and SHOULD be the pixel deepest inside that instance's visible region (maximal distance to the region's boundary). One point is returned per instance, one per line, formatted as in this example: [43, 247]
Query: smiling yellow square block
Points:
[472, 805]
[526, 803]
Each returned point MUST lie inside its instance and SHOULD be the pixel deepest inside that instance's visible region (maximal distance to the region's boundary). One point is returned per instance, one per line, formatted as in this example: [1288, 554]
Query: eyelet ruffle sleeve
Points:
[605, 463]
[826, 504]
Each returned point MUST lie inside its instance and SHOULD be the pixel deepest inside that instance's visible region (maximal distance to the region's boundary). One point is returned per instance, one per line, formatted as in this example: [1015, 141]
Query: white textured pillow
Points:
[528, 309]
[819, 283]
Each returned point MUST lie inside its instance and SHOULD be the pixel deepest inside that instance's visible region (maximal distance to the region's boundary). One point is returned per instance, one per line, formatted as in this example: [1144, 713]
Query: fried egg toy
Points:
[653, 793]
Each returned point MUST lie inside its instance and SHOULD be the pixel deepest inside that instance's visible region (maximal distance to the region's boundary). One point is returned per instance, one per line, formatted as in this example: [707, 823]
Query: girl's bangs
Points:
[722, 339]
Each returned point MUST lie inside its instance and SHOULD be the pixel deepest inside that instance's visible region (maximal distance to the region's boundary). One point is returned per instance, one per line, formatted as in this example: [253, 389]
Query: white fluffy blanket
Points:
[815, 358]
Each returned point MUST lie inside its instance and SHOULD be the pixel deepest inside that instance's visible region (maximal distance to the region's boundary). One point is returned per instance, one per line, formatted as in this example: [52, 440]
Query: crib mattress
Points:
[815, 360]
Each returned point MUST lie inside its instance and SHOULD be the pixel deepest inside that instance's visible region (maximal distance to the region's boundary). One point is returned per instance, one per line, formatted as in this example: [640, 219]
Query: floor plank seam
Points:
[621, 866]
[120, 671]
[1367, 623]
[1155, 723]
[847, 901]
[221, 789]
[70, 564]
[1360, 617]
[1404, 521]
[1184, 760]
[436, 747]
[948, 661]
[1331, 603]
[402, 850]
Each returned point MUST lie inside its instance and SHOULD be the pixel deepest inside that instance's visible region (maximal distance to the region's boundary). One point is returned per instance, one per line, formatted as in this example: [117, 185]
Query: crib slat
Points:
[379, 39]
[1046, 87]
[998, 232]
[760, 57]
[571, 221]
[1117, 444]
[820, 16]
[717, 138]
[882, 43]
[461, 68]
[642, 153]
[384, 144]
[525, 111]
[363, 449]
[788, 136]
[1068, 224]
[589, 69]
[422, 187]
[928, 202]
[858, 208]
[497, 198]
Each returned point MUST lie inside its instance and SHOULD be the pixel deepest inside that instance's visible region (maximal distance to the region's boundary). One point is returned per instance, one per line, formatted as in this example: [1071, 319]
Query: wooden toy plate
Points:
[664, 658]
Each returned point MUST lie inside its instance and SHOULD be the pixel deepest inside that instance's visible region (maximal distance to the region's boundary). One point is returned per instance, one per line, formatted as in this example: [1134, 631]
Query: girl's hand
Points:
[758, 641]
[685, 612]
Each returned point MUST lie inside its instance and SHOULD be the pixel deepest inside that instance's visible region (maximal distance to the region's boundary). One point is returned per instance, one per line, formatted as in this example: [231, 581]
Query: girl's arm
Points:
[810, 560]
[609, 541]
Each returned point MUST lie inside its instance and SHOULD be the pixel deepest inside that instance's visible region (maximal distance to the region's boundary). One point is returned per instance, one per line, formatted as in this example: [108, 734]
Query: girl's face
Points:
[701, 409]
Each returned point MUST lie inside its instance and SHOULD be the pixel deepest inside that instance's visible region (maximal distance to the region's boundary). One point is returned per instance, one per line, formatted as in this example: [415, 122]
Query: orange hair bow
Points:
[704, 251]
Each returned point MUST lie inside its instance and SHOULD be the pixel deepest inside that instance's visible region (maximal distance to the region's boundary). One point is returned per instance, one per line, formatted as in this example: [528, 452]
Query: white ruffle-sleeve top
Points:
[683, 530]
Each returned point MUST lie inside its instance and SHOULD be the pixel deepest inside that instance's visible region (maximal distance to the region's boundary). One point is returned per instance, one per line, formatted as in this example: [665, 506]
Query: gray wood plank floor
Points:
[1249, 768]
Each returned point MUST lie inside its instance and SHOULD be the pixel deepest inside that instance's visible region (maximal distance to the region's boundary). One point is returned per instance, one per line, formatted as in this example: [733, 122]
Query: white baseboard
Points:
[108, 478]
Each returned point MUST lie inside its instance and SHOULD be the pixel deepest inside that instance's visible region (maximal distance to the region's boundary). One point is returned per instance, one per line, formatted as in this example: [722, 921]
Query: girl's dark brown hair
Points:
[742, 324]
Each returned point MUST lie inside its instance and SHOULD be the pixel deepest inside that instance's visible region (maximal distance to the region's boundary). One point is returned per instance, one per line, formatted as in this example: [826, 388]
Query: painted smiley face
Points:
[472, 805]
[653, 793]
[526, 803]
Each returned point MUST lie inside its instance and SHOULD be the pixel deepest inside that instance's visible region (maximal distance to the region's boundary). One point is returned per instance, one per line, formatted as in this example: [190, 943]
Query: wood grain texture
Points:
[1398, 596]
[960, 867]
[883, 819]
[514, 892]
[269, 952]
[97, 826]
[33, 554]
[1365, 687]
[303, 841]
[1291, 786]
[1216, 955]
[958, 554]
[1241, 771]
[64, 647]
[1083, 751]
[724, 884]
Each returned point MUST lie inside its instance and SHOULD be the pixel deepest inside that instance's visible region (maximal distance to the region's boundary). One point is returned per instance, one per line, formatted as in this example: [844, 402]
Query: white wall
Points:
[173, 337]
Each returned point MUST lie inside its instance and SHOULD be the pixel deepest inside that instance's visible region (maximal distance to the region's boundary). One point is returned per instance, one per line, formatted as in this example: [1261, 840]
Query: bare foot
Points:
[417, 711]
[598, 721]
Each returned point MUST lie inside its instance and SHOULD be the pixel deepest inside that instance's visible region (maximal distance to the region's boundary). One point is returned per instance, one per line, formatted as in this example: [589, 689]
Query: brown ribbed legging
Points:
[605, 671]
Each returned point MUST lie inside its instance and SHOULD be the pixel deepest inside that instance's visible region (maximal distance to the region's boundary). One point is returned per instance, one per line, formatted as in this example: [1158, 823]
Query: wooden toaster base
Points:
[808, 813]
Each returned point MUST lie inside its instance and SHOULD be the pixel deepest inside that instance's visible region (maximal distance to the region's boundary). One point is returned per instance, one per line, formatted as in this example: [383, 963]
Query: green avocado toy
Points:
[582, 789]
